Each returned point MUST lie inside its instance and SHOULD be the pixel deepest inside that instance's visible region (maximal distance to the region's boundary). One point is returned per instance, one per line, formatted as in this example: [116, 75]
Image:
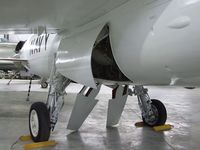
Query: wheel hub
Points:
[152, 117]
[34, 123]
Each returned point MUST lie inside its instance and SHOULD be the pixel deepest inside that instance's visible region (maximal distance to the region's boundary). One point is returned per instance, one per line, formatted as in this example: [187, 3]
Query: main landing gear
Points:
[43, 117]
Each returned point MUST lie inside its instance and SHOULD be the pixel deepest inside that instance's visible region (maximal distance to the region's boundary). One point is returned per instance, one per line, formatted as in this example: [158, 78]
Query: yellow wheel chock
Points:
[39, 145]
[165, 127]
[30, 146]
[25, 138]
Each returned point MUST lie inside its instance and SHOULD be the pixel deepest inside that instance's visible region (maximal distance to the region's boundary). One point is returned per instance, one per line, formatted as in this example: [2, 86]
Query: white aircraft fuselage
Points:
[152, 42]
[39, 51]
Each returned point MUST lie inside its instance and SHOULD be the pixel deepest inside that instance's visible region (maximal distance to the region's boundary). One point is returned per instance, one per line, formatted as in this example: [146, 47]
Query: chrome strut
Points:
[55, 100]
[144, 101]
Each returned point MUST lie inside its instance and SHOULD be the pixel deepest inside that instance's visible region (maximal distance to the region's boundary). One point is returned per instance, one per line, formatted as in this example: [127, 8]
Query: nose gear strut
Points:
[153, 111]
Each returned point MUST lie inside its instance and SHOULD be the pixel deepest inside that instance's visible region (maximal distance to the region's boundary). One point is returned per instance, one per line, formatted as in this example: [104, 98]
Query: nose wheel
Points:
[157, 115]
[39, 122]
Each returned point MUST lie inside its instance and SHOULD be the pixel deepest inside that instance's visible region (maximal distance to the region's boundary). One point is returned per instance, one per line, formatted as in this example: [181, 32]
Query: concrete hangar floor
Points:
[182, 106]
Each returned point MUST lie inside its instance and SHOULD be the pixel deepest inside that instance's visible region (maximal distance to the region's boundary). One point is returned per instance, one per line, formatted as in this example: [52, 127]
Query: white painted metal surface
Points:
[116, 107]
[40, 55]
[178, 47]
[129, 26]
[74, 56]
[146, 49]
[82, 108]
[27, 15]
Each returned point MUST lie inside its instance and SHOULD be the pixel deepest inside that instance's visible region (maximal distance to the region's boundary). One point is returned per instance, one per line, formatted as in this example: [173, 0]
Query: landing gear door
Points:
[74, 56]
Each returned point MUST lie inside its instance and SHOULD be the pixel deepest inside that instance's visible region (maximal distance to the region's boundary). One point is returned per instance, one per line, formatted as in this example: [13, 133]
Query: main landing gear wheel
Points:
[44, 85]
[158, 115]
[39, 122]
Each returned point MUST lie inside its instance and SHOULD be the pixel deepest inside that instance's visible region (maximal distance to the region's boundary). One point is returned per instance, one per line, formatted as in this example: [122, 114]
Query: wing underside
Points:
[22, 17]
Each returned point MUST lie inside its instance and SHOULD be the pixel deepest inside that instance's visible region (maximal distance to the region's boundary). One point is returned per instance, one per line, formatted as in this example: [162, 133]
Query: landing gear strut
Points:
[43, 117]
[153, 111]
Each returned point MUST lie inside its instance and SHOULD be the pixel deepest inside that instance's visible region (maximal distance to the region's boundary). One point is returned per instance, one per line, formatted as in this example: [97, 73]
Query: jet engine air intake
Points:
[19, 46]
[104, 65]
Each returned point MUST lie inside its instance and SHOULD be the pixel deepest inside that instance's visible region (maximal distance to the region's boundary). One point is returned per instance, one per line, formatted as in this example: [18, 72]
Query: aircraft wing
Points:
[13, 59]
[13, 64]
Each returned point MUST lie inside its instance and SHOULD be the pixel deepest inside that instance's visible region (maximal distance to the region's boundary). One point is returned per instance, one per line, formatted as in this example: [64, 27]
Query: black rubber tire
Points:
[44, 122]
[162, 113]
[44, 85]
[190, 88]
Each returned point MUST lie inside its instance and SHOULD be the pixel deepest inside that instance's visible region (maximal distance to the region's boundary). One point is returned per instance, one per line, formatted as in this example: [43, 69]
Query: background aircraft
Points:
[117, 43]
[10, 68]
[6, 50]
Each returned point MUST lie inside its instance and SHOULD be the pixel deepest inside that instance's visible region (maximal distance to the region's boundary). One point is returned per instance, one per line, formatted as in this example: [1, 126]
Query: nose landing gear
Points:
[158, 115]
[153, 111]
